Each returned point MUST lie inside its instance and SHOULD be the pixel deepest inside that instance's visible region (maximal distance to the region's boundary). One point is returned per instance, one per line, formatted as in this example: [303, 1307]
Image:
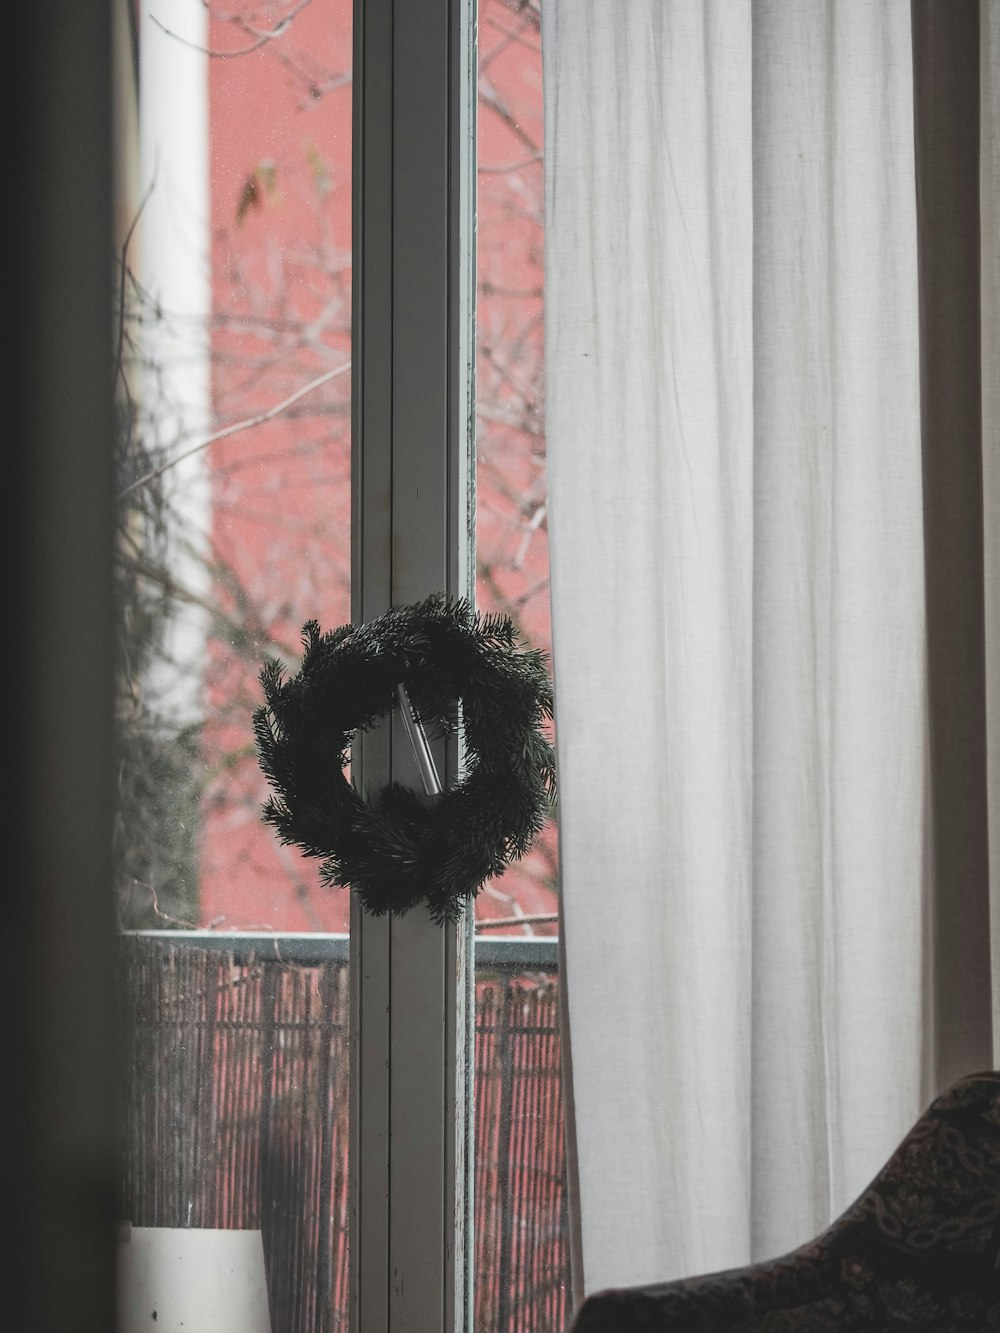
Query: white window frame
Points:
[413, 353]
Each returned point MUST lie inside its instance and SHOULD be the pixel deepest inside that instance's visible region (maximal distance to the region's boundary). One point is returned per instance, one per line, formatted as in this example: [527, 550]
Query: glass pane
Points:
[236, 330]
[521, 1259]
[234, 307]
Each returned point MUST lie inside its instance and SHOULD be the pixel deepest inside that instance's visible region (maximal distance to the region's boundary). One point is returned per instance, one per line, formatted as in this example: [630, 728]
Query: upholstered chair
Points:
[918, 1252]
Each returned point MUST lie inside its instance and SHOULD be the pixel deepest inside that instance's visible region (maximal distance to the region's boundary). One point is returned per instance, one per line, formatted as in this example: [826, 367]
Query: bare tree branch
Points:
[238, 426]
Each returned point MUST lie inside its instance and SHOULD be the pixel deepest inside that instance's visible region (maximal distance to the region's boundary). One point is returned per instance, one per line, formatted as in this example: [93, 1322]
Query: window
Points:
[249, 361]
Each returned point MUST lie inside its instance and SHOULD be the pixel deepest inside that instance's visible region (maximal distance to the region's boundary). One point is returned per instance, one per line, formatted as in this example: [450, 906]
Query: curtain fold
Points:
[772, 650]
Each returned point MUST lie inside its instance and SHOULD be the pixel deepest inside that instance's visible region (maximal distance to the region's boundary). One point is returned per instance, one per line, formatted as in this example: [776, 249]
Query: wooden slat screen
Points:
[234, 1114]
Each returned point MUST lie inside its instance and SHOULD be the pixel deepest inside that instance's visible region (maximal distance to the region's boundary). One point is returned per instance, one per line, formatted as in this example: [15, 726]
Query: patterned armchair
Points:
[918, 1252]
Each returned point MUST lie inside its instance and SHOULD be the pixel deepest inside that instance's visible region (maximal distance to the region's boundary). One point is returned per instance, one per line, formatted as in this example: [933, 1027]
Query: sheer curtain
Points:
[772, 406]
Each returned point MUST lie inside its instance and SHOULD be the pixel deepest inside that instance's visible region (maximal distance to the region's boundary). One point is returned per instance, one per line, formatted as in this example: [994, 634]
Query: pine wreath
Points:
[459, 668]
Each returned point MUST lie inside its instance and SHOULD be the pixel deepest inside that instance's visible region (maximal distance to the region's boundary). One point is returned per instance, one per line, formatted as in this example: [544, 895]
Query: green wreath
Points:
[458, 668]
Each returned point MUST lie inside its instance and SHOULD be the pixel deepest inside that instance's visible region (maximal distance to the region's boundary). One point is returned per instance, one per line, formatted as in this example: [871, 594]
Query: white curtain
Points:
[773, 795]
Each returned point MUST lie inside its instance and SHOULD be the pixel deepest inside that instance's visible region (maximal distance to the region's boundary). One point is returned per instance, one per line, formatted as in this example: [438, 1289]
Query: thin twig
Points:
[234, 429]
[537, 919]
[263, 37]
[124, 262]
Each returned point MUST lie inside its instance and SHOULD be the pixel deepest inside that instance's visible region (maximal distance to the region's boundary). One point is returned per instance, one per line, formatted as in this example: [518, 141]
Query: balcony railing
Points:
[235, 1104]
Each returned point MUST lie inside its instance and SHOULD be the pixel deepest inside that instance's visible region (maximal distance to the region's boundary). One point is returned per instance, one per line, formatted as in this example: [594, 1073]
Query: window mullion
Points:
[412, 414]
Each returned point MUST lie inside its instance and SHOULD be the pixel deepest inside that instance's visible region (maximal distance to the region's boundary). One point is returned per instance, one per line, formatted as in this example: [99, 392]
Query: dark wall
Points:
[58, 924]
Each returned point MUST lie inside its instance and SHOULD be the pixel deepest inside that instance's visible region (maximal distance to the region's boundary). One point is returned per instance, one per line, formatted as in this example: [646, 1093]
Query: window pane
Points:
[234, 300]
[236, 326]
[521, 1260]
[512, 532]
